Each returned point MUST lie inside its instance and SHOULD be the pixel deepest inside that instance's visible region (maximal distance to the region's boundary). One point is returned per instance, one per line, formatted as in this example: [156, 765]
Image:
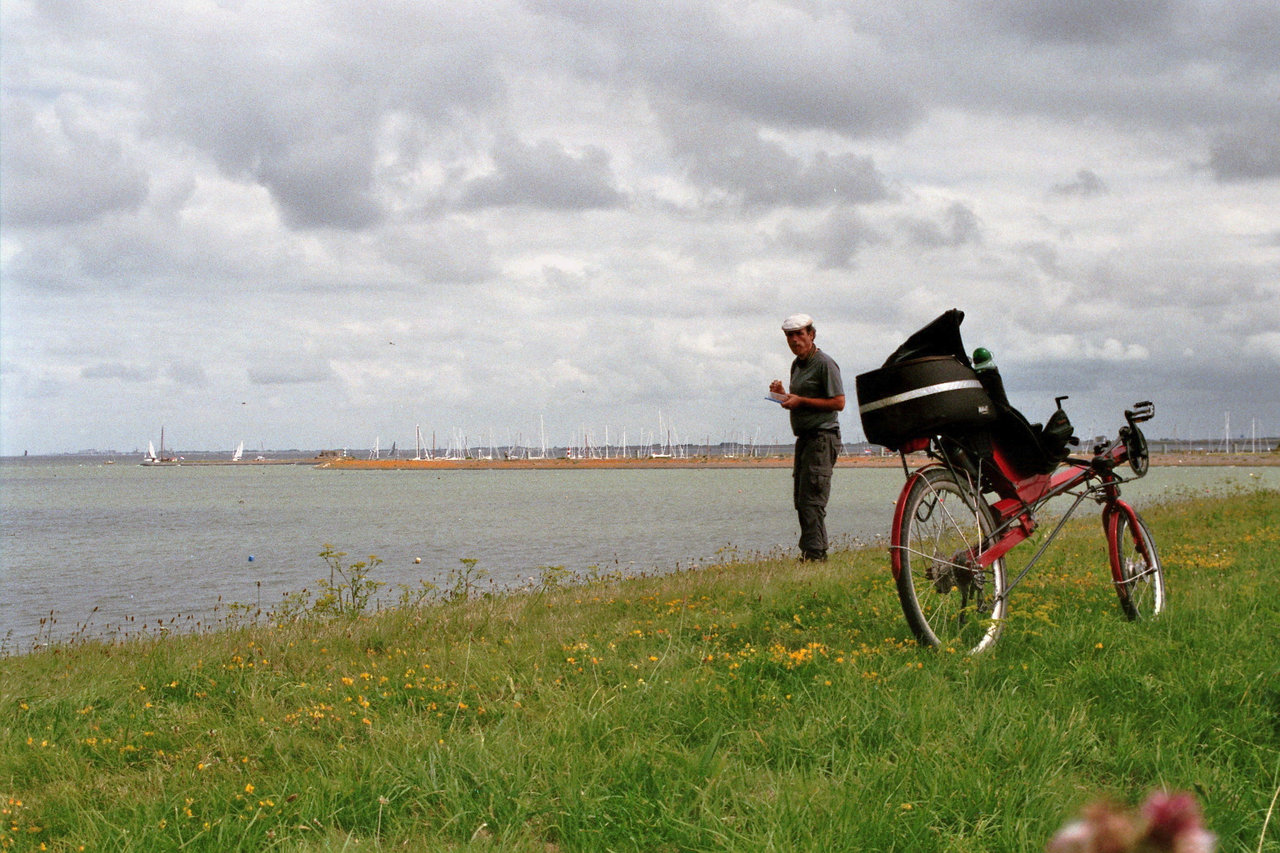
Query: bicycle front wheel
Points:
[941, 527]
[1135, 565]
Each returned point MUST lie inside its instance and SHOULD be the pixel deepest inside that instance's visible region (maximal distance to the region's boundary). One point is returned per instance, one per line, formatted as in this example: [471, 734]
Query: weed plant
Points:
[759, 704]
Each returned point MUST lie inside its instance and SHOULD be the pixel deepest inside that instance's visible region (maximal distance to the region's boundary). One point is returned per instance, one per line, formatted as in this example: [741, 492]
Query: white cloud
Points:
[329, 221]
[1266, 346]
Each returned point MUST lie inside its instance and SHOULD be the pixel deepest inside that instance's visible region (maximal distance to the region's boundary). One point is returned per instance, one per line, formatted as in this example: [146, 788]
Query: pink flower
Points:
[1168, 815]
[1173, 824]
[1103, 828]
[1167, 823]
[1075, 837]
[1195, 841]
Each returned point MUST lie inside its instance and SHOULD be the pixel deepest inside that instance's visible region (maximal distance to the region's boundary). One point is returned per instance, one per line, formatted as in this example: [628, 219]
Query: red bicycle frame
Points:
[1020, 497]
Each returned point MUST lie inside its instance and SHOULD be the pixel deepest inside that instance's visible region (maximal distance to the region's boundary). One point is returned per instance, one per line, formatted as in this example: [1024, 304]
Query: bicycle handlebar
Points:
[1130, 445]
[1144, 411]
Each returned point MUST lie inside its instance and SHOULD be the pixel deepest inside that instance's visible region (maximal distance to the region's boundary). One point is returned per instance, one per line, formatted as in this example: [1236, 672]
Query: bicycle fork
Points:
[1122, 576]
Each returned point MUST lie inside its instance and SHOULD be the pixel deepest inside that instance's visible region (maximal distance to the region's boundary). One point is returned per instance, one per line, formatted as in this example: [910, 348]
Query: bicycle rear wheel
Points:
[940, 528]
[1135, 564]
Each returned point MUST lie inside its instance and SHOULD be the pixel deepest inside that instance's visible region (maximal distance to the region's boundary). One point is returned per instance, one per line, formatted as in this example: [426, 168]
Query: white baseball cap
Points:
[796, 322]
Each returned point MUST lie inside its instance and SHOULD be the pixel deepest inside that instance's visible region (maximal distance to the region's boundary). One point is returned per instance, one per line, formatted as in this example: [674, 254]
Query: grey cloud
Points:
[1245, 32]
[1162, 65]
[835, 241]
[1167, 63]
[798, 69]
[308, 144]
[118, 371]
[1043, 255]
[544, 175]
[323, 186]
[1247, 154]
[189, 374]
[960, 225]
[290, 374]
[45, 264]
[1086, 184]
[442, 252]
[767, 177]
[1084, 21]
[56, 169]
[731, 157]
[128, 255]
[1208, 289]
[302, 117]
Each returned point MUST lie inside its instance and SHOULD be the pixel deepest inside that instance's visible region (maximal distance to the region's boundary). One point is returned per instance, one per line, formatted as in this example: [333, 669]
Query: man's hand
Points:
[785, 400]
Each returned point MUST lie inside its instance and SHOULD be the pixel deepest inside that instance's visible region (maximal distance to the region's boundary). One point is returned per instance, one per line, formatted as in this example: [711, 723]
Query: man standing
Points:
[814, 398]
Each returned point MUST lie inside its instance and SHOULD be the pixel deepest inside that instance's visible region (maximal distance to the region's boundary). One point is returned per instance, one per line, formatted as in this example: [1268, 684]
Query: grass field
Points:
[756, 705]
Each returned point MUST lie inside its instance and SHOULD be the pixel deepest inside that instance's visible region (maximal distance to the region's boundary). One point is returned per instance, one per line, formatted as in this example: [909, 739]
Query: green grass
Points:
[757, 705]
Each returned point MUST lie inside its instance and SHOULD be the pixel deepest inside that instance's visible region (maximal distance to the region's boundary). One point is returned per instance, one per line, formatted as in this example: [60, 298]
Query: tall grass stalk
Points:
[761, 704]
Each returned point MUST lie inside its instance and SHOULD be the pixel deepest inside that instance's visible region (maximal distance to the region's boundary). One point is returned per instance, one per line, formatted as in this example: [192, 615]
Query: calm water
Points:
[144, 543]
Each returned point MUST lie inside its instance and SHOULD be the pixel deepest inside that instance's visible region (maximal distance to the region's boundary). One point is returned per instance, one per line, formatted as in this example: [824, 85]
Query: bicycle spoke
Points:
[1139, 577]
[946, 597]
[956, 525]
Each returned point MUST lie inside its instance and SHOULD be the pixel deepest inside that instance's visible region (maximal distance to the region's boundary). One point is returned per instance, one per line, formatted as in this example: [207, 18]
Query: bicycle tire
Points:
[941, 522]
[1135, 565]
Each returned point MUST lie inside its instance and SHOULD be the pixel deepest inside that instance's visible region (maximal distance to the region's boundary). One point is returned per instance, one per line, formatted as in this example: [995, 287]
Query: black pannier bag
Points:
[920, 398]
[926, 387]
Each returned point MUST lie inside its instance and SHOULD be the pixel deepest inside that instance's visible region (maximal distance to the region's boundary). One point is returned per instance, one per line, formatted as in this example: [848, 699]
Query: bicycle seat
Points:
[1030, 447]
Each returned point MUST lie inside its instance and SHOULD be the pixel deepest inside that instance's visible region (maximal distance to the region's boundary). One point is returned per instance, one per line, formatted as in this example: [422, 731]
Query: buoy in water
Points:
[417, 560]
[250, 558]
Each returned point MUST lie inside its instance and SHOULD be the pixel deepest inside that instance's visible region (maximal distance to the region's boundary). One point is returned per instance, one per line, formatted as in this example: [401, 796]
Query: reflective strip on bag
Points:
[917, 393]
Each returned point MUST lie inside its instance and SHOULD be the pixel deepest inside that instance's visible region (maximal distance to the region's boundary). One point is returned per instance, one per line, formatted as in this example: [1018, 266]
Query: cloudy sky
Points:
[319, 224]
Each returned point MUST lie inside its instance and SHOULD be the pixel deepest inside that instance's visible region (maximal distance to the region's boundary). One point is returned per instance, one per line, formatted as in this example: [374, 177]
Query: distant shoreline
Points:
[889, 460]
[1239, 460]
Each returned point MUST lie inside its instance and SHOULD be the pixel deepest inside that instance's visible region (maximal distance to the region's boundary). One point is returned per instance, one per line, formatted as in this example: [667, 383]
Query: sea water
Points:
[101, 549]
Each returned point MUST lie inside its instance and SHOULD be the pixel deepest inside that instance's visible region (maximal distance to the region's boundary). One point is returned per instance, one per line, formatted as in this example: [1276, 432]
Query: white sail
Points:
[235, 457]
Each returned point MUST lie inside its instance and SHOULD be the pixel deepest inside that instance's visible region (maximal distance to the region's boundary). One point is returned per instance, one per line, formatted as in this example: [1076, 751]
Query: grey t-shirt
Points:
[816, 376]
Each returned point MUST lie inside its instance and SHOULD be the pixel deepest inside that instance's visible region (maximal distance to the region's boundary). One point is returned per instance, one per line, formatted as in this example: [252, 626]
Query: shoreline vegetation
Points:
[754, 704]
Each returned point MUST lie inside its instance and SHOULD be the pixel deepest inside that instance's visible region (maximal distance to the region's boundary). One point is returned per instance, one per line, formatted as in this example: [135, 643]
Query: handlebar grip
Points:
[1143, 411]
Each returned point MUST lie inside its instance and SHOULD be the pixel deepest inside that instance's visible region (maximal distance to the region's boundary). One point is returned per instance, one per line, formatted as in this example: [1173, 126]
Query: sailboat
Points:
[239, 453]
[658, 452]
[542, 432]
[417, 439]
[152, 458]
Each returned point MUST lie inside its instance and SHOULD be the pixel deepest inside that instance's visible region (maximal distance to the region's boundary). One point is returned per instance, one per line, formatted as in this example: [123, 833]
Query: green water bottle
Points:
[984, 365]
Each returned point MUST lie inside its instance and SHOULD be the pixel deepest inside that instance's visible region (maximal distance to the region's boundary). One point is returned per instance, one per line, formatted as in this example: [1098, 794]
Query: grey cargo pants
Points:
[816, 454]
